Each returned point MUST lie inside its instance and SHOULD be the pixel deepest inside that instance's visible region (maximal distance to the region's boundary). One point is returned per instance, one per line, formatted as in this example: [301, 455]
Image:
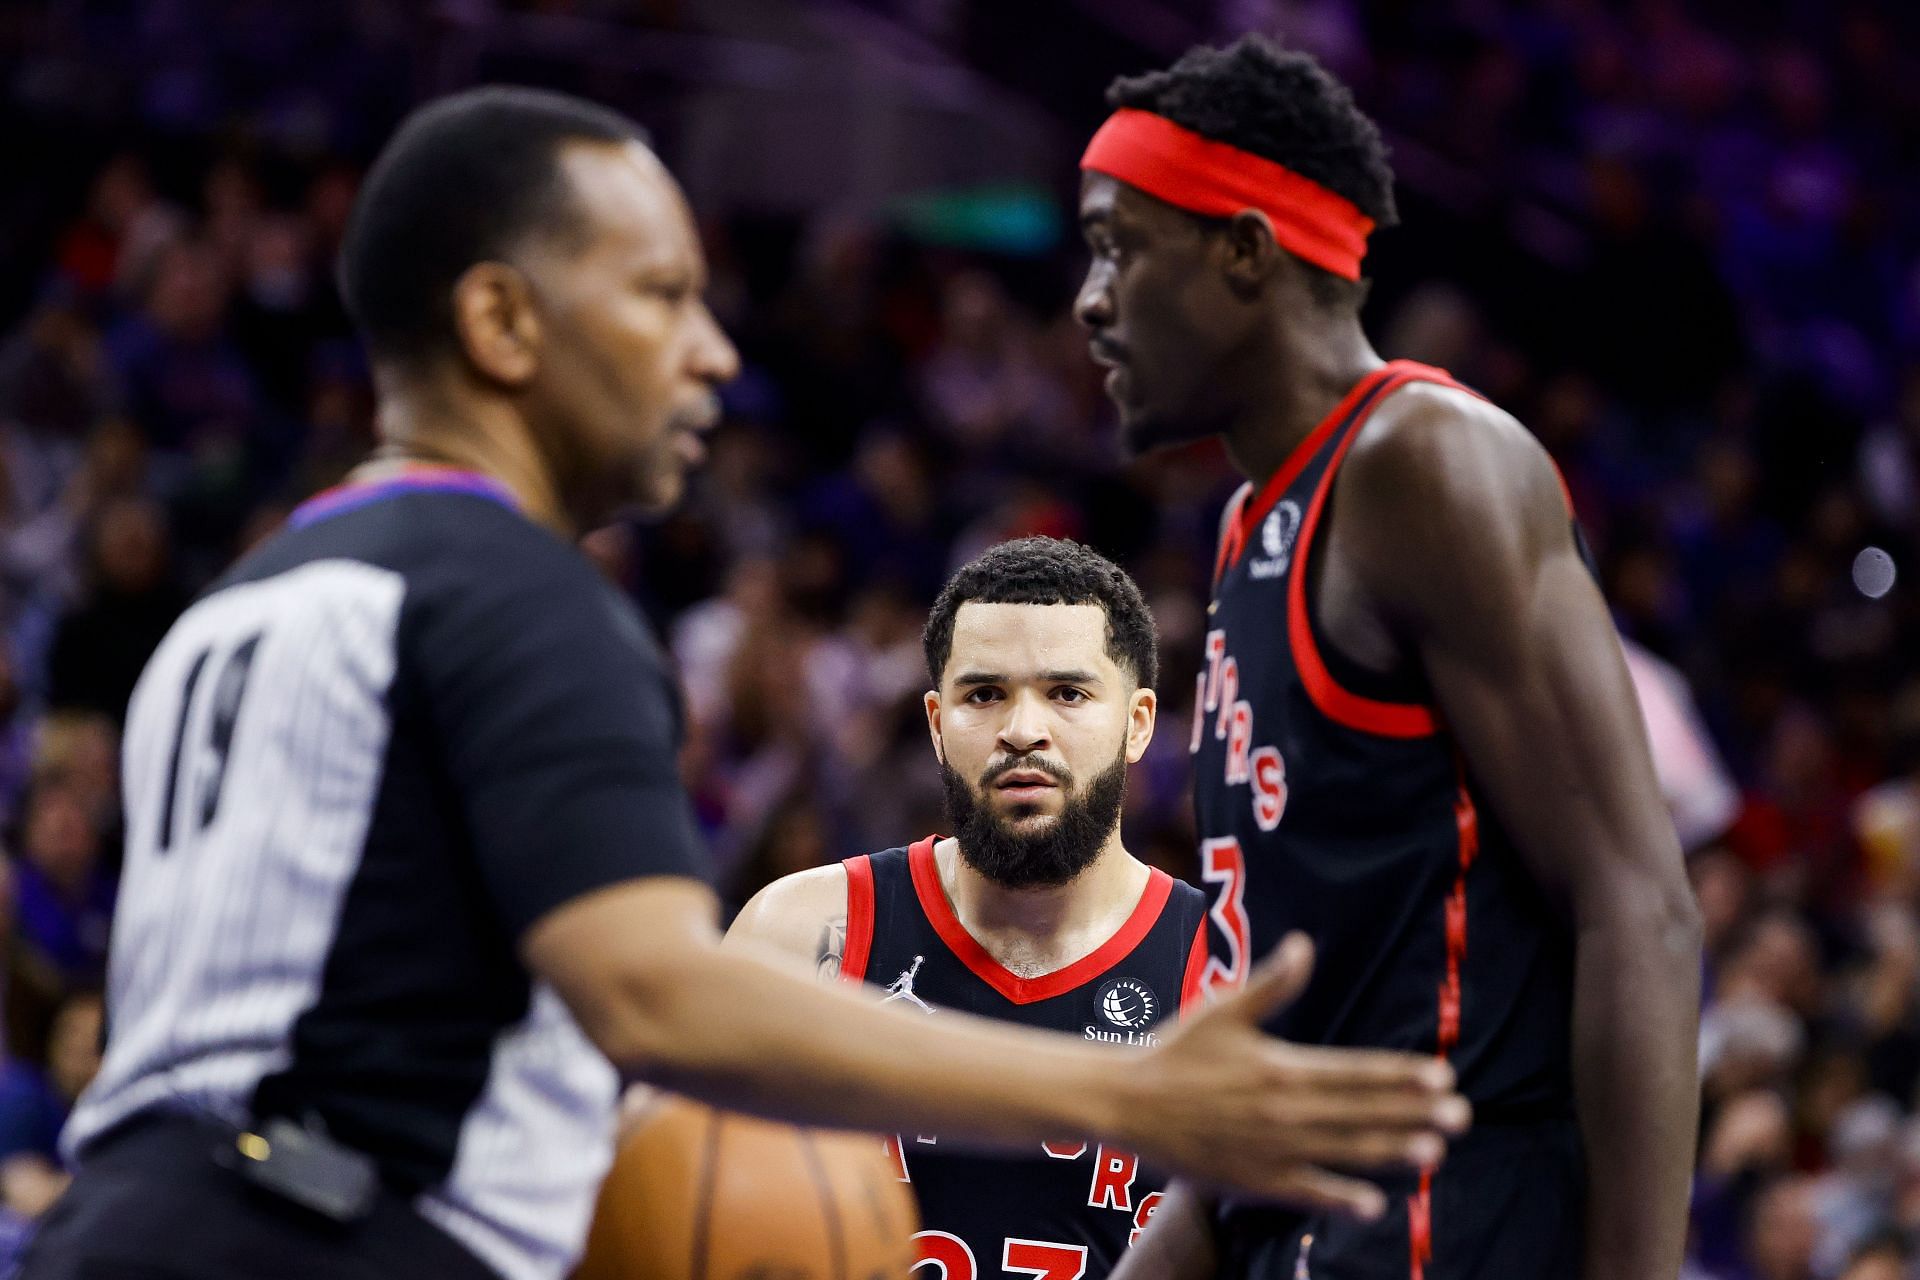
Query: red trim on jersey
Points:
[1466, 823]
[967, 948]
[1420, 1227]
[853, 963]
[1341, 705]
[1252, 513]
[1193, 983]
[1232, 535]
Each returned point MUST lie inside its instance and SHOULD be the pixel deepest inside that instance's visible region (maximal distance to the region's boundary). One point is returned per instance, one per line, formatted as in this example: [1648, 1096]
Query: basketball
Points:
[700, 1194]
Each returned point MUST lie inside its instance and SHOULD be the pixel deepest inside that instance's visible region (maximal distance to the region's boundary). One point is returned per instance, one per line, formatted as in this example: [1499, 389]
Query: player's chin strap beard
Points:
[1049, 857]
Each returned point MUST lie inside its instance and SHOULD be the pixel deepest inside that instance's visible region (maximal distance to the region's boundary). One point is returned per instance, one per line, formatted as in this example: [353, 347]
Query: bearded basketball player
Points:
[1042, 657]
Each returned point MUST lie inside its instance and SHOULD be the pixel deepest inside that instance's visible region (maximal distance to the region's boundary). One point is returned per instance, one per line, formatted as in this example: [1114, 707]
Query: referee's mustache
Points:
[698, 416]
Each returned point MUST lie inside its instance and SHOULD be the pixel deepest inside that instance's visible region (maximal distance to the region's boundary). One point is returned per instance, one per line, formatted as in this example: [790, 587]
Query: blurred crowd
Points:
[1679, 242]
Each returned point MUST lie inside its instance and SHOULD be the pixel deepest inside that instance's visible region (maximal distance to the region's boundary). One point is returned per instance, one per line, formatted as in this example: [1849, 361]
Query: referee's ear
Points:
[497, 324]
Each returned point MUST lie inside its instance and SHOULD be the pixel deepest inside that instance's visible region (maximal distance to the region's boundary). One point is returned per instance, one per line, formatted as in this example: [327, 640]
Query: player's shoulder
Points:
[1436, 434]
[791, 912]
[1185, 896]
[1431, 448]
[1446, 504]
[817, 888]
[1186, 906]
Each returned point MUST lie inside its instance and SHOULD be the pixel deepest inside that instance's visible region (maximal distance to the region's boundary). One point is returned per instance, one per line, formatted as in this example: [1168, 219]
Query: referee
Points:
[410, 880]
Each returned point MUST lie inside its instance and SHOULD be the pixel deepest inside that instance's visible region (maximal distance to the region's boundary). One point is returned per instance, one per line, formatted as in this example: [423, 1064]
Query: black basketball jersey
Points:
[1069, 1210]
[1334, 801]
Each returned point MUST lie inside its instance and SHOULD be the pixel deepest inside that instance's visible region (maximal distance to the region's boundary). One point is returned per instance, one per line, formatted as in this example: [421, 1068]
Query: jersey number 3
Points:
[208, 761]
[1223, 863]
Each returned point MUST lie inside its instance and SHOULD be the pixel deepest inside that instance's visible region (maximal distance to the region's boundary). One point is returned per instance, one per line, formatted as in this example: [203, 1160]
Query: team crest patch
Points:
[1277, 534]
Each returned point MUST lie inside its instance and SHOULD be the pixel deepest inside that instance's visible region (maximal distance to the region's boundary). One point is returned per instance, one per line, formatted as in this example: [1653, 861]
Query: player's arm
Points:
[803, 915]
[1178, 1243]
[1460, 535]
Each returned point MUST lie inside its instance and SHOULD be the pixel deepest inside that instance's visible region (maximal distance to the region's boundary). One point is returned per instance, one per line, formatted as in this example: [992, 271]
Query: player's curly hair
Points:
[1283, 105]
[1048, 571]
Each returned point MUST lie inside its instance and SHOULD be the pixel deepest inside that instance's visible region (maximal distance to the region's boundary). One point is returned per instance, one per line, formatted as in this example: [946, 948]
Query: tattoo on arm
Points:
[833, 945]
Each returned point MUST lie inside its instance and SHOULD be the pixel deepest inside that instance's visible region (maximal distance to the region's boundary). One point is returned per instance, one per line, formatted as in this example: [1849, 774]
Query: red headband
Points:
[1214, 178]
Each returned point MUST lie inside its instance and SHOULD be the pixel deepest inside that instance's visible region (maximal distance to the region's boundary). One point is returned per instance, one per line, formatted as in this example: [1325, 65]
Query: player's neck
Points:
[1291, 391]
[419, 422]
[1033, 931]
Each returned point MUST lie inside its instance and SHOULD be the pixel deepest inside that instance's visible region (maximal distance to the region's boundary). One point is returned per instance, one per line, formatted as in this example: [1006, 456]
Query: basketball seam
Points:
[703, 1204]
[829, 1210]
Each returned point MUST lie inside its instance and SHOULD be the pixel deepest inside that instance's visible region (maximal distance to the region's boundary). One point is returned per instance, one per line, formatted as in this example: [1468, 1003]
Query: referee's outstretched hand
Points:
[1218, 1101]
[1259, 1113]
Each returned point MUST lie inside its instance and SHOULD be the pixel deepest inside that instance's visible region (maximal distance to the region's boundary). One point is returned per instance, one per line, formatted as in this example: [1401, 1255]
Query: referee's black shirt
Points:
[355, 772]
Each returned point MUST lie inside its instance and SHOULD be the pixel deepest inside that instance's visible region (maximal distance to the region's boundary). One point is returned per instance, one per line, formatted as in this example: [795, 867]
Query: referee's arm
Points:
[642, 967]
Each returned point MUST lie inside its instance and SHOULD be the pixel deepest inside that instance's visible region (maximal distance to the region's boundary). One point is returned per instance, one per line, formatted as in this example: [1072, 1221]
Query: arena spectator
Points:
[102, 644]
[62, 887]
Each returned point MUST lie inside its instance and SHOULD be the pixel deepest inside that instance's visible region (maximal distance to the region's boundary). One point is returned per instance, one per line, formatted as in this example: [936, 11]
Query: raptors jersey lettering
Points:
[1069, 1210]
[1333, 801]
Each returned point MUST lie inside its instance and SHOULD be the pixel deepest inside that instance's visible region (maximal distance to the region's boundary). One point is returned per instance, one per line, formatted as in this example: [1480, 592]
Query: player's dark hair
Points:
[1048, 571]
[1283, 105]
[465, 179]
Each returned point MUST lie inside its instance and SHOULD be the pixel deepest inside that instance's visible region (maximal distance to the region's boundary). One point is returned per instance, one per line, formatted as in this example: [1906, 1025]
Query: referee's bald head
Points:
[526, 249]
[465, 179]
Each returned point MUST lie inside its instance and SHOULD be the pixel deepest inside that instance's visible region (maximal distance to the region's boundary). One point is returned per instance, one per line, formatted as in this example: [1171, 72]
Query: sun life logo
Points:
[1128, 1004]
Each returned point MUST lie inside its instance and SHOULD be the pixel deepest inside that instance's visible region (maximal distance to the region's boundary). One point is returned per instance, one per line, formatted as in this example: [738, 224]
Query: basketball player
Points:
[1043, 661]
[1416, 739]
[409, 872]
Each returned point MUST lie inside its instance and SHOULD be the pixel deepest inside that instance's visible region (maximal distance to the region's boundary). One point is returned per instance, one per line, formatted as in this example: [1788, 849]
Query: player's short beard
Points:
[1051, 856]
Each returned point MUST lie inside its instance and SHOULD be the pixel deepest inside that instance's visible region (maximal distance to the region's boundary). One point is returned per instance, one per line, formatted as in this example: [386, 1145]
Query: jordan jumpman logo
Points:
[902, 988]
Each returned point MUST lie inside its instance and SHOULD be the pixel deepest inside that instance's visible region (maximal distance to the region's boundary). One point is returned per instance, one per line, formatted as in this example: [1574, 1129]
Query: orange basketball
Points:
[699, 1194]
